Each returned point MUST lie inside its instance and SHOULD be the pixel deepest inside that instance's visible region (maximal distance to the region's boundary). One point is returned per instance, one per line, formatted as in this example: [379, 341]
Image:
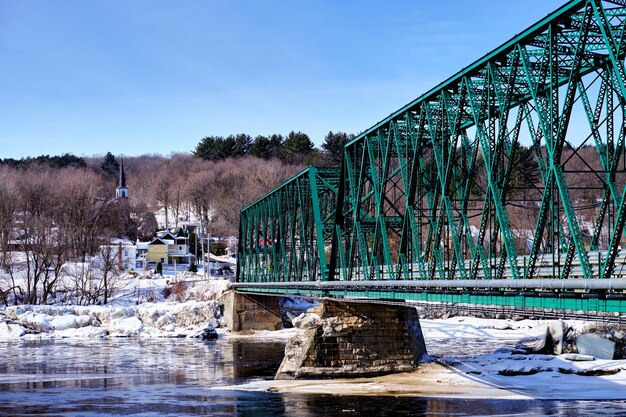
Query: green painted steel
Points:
[283, 236]
[514, 167]
[555, 301]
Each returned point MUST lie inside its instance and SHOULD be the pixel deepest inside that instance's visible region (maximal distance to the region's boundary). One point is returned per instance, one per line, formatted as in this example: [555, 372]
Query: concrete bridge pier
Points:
[251, 311]
[354, 339]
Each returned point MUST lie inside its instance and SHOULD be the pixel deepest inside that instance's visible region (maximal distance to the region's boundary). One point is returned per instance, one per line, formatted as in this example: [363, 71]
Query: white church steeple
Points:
[121, 191]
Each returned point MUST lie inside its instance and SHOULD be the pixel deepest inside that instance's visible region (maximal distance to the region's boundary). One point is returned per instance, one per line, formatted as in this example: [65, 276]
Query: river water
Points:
[181, 377]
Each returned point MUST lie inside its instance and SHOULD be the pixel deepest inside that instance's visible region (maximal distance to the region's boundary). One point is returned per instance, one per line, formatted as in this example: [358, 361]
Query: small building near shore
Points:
[120, 254]
[170, 248]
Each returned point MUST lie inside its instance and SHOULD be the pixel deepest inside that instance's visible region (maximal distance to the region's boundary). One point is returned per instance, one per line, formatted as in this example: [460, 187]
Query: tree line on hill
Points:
[294, 148]
[64, 161]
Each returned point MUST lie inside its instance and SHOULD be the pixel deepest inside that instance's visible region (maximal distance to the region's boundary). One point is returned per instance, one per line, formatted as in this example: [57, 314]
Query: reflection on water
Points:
[179, 377]
[408, 406]
[129, 376]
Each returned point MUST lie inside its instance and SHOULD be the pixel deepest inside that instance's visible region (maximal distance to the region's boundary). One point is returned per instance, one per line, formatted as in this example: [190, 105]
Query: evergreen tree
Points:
[109, 165]
[260, 147]
[296, 147]
[276, 146]
[194, 246]
[55, 162]
[209, 148]
[215, 148]
[524, 169]
[235, 146]
[266, 147]
[67, 160]
[334, 143]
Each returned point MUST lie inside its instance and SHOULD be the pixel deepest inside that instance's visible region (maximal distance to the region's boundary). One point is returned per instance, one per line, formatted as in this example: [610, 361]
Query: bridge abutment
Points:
[251, 311]
[355, 339]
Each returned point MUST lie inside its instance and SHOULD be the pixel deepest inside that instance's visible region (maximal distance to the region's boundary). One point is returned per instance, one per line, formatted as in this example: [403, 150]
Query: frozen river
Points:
[159, 377]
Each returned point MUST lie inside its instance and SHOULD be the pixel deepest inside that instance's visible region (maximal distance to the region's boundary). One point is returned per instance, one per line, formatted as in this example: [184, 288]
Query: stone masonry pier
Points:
[354, 339]
[251, 312]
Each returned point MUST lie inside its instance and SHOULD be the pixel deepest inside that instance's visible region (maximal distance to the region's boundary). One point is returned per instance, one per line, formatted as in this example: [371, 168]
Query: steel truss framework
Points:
[282, 235]
[512, 168]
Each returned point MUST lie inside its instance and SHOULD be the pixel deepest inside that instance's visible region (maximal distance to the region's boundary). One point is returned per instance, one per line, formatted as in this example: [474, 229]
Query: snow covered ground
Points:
[127, 315]
[167, 319]
[486, 351]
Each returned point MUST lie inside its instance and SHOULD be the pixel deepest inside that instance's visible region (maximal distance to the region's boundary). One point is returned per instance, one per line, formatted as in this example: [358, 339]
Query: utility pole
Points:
[204, 262]
[209, 251]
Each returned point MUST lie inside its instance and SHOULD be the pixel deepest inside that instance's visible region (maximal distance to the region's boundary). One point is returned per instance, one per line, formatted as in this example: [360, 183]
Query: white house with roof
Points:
[120, 252]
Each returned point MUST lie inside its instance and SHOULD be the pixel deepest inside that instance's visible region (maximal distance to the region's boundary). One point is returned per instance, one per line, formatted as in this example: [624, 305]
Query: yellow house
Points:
[170, 248]
[157, 251]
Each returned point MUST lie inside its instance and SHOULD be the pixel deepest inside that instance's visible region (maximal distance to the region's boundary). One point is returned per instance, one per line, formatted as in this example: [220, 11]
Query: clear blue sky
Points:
[155, 76]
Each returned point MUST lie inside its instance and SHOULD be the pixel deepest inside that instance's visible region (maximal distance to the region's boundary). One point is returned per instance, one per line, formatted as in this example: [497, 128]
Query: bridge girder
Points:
[283, 235]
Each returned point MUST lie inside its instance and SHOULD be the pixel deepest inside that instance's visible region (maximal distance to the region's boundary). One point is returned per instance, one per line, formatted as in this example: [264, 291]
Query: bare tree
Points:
[52, 216]
[110, 272]
[59, 215]
[36, 229]
[8, 218]
[95, 284]
[84, 202]
[79, 285]
[241, 181]
[199, 192]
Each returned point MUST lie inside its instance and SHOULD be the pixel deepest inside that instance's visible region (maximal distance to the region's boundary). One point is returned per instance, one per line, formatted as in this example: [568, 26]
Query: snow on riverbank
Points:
[166, 319]
[486, 352]
[126, 316]
[545, 376]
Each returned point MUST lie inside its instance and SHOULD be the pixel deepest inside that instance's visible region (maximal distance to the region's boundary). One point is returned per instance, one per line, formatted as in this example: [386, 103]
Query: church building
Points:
[121, 191]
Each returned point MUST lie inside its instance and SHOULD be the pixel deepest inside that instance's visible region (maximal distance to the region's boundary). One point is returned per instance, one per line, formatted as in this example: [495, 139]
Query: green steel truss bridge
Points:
[503, 185]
